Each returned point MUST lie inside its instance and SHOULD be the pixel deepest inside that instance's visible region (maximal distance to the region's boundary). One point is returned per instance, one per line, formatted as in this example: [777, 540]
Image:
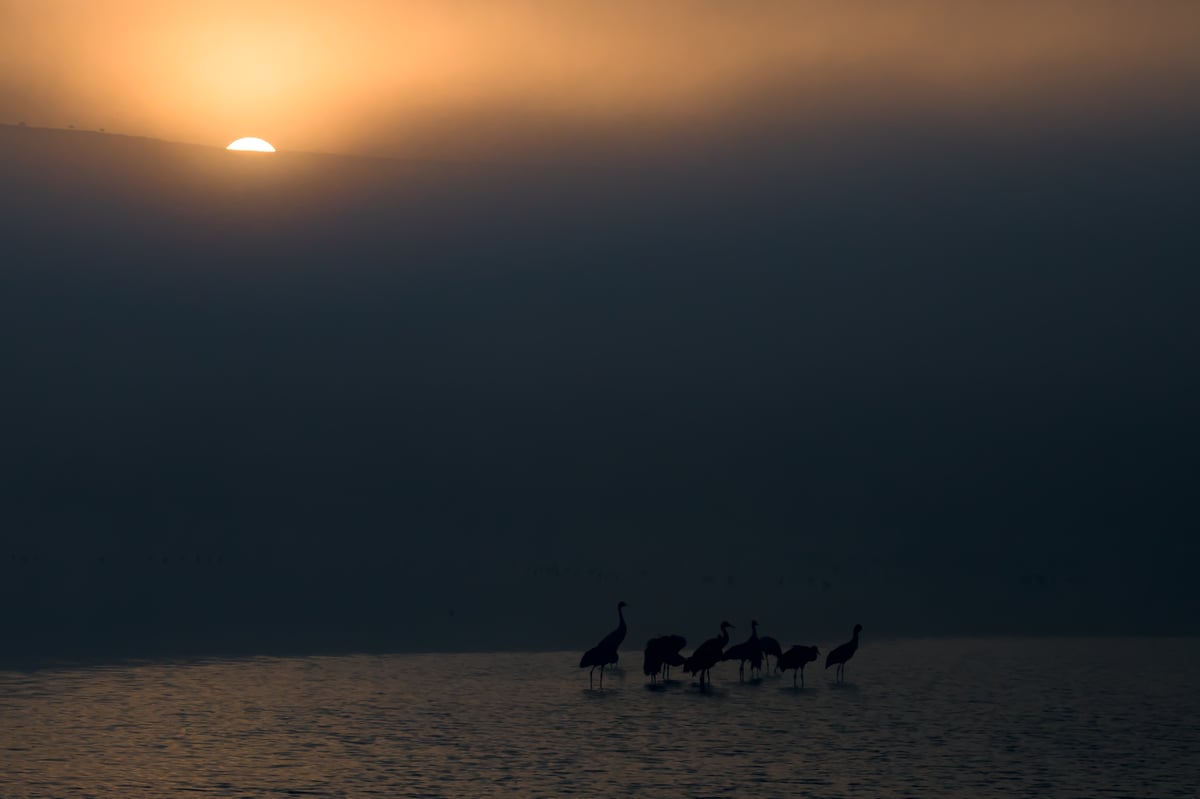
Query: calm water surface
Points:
[1030, 717]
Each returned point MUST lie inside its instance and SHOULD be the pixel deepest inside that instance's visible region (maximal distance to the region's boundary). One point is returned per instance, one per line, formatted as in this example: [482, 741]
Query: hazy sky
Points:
[817, 313]
[470, 78]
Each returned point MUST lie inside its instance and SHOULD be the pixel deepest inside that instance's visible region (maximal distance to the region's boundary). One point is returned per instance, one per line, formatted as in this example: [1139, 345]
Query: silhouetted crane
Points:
[671, 654]
[795, 659]
[598, 656]
[661, 654]
[652, 660]
[750, 650]
[605, 652]
[708, 654]
[843, 653]
[615, 638]
[770, 647]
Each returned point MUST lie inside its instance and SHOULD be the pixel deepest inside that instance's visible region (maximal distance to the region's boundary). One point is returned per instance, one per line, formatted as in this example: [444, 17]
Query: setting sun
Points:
[252, 144]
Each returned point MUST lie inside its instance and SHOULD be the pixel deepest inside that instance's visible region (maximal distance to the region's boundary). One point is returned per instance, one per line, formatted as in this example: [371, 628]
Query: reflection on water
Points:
[924, 718]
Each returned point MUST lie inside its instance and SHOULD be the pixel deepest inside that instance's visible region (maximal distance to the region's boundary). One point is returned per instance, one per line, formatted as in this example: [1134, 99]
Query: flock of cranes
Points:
[665, 651]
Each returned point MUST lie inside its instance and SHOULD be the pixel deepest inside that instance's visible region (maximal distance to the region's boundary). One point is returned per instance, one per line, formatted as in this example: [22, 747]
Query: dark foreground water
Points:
[1035, 717]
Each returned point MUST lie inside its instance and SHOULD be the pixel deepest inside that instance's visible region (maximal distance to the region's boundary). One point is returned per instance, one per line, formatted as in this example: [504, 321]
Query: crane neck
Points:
[620, 618]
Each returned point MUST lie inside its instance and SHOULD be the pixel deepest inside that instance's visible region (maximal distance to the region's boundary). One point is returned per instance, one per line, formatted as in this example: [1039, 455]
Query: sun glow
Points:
[510, 78]
[251, 144]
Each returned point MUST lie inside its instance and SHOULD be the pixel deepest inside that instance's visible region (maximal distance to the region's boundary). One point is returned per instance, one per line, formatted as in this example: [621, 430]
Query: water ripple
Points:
[919, 718]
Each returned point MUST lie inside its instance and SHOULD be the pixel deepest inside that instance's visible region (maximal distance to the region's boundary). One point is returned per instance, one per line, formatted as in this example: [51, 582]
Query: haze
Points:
[570, 78]
[813, 313]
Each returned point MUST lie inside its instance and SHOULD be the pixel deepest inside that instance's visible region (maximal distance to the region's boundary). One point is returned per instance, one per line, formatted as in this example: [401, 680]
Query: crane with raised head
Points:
[748, 650]
[605, 653]
[842, 653]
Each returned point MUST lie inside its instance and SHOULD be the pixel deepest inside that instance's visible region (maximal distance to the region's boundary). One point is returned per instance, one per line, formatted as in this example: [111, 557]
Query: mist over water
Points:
[271, 406]
[931, 718]
[791, 310]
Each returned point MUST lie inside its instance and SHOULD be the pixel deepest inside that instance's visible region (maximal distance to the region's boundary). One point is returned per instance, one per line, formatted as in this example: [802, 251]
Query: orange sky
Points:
[471, 77]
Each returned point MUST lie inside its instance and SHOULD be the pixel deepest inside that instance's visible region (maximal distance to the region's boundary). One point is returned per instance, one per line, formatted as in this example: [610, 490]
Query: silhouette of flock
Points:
[665, 651]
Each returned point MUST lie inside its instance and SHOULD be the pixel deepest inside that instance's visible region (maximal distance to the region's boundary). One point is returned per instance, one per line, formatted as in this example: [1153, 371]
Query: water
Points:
[1050, 717]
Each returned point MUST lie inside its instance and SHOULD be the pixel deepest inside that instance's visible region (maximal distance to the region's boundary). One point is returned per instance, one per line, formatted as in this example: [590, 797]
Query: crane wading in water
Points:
[708, 654]
[661, 654]
[748, 650]
[843, 653]
[770, 649]
[796, 659]
[605, 653]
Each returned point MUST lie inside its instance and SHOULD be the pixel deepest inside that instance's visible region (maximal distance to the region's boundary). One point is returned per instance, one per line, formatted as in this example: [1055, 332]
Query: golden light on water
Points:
[252, 144]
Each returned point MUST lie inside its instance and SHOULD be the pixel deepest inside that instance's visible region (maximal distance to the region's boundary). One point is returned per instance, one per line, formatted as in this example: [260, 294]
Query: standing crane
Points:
[795, 659]
[750, 650]
[842, 653]
[770, 648]
[605, 653]
[661, 654]
[708, 654]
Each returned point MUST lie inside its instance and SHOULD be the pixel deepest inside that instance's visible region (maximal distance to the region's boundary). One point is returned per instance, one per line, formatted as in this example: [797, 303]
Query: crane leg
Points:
[601, 677]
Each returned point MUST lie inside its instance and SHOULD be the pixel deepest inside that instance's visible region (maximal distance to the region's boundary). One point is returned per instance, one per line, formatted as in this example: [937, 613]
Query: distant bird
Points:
[748, 650]
[661, 654]
[770, 647]
[708, 654]
[605, 653]
[843, 653]
[795, 659]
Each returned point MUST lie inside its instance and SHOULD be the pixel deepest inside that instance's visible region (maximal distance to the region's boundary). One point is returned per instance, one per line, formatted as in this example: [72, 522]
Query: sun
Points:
[252, 144]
